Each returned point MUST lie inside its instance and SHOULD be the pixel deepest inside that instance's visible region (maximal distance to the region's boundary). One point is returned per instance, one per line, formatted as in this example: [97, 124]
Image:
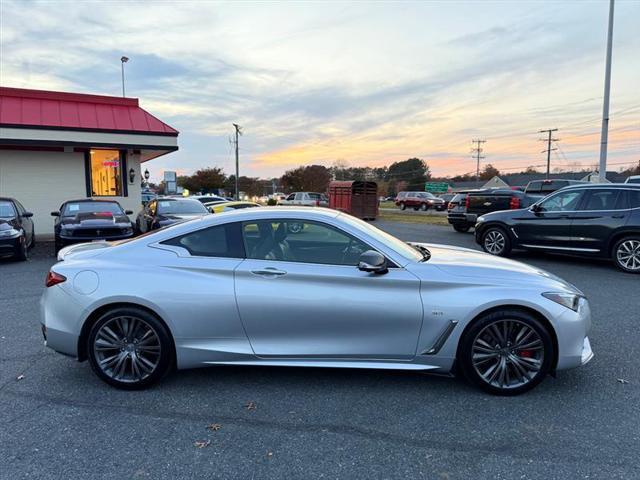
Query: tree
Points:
[205, 180]
[489, 172]
[311, 178]
[414, 171]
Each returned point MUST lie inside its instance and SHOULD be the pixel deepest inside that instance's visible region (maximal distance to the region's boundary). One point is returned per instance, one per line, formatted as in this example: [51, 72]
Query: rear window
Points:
[315, 196]
[74, 208]
[181, 207]
[7, 210]
[633, 180]
[460, 197]
[219, 241]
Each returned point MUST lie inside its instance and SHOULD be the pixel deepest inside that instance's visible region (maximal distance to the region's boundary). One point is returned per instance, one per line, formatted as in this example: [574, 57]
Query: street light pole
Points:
[604, 136]
[238, 132]
[123, 60]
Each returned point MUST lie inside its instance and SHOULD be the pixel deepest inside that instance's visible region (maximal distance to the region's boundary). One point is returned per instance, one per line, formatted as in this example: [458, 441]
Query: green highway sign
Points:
[436, 187]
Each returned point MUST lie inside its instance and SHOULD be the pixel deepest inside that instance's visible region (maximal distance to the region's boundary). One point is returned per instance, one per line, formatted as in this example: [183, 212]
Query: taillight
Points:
[467, 201]
[514, 204]
[54, 278]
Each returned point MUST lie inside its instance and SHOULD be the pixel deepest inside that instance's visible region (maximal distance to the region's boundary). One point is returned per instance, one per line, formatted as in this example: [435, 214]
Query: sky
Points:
[363, 83]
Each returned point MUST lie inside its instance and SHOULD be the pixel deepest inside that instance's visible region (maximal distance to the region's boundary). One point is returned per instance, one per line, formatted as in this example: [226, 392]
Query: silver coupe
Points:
[308, 287]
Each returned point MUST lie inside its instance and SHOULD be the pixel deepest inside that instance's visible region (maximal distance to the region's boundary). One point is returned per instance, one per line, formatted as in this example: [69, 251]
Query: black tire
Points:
[461, 228]
[22, 250]
[402, 206]
[424, 207]
[518, 379]
[162, 362]
[626, 254]
[496, 241]
[33, 238]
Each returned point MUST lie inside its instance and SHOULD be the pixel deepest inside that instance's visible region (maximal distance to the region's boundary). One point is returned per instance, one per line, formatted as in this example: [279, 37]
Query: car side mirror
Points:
[55, 214]
[373, 262]
[535, 208]
[27, 214]
[128, 212]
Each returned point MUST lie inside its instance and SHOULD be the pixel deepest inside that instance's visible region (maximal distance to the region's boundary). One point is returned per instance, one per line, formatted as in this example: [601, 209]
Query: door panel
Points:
[292, 309]
[602, 212]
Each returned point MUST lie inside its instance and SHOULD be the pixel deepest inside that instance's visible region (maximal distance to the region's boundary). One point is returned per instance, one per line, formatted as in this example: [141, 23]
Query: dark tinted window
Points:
[634, 198]
[602, 200]
[218, 241]
[562, 202]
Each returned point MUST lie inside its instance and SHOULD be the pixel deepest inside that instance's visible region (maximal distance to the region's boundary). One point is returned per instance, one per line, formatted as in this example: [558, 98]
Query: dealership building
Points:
[57, 146]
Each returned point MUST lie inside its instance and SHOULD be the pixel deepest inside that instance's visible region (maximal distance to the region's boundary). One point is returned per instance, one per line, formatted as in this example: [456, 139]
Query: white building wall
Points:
[42, 181]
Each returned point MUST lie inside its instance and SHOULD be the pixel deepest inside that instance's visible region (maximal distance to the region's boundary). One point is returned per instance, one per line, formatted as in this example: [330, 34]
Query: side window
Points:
[562, 202]
[291, 197]
[601, 200]
[300, 241]
[219, 241]
[634, 198]
[20, 208]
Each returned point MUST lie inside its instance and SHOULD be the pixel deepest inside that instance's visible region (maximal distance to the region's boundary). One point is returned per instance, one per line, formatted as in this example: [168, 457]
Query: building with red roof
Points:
[55, 146]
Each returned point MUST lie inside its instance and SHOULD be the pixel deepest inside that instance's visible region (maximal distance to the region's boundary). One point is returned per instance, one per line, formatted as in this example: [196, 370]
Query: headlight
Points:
[480, 219]
[65, 231]
[12, 232]
[569, 300]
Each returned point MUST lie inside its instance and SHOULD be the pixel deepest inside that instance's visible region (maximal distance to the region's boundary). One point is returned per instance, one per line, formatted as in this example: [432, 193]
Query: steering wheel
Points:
[346, 251]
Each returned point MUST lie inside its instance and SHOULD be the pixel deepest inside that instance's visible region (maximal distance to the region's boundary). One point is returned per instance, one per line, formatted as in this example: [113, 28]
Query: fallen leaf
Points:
[622, 380]
[20, 377]
[202, 443]
[251, 406]
[214, 427]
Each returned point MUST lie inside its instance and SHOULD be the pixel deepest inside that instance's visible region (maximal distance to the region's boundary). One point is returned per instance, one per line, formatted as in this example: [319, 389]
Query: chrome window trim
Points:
[582, 188]
[594, 250]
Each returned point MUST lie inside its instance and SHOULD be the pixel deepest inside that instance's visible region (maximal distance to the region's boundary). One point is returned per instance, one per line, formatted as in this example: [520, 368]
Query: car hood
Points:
[464, 262]
[8, 223]
[93, 220]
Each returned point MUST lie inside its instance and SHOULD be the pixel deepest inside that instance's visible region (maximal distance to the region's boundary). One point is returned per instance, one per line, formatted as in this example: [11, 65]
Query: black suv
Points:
[599, 220]
[16, 229]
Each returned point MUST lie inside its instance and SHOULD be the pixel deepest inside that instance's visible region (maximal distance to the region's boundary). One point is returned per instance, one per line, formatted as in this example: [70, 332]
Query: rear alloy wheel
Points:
[129, 348]
[402, 206]
[626, 254]
[496, 242]
[506, 353]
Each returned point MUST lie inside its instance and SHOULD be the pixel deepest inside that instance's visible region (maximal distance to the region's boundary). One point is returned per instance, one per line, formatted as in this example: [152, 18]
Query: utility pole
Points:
[123, 60]
[604, 135]
[477, 151]
[238, 132]
[549, 149]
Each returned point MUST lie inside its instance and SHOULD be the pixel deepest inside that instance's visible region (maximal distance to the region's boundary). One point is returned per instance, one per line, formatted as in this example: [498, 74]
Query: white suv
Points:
[307, 199]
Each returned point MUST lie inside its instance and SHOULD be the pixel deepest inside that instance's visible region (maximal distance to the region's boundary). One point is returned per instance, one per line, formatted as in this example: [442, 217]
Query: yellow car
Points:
[219, 207]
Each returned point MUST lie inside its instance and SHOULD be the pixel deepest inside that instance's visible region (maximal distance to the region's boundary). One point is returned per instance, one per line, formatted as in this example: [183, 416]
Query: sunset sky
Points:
[365, 83]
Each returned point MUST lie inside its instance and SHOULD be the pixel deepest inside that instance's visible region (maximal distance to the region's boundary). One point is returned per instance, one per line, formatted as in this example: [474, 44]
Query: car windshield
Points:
[316, 196]
[181, 207]
[404, 249]
[6, 209]
[74, 208]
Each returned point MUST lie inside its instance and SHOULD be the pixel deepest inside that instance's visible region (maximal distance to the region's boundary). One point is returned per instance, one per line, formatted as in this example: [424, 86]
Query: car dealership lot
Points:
[61, 421]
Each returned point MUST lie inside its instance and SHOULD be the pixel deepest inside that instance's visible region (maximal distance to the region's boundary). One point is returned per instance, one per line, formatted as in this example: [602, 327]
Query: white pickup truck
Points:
[307, 199]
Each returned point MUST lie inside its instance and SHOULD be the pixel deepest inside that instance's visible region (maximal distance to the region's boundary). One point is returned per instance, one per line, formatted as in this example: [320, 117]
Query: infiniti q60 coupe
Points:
[244, 289]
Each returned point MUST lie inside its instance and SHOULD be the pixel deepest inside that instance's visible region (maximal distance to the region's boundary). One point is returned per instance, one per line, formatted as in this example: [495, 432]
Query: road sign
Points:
[436, 187]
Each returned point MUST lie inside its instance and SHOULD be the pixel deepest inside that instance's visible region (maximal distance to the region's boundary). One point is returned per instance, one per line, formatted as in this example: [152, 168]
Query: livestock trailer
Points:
[358, 198]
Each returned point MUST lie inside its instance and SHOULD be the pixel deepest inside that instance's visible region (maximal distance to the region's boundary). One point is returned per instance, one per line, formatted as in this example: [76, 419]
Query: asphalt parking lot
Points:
[57, 420]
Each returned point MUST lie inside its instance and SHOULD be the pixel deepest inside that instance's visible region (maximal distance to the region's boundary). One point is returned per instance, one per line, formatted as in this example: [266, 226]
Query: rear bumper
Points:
[57, 313]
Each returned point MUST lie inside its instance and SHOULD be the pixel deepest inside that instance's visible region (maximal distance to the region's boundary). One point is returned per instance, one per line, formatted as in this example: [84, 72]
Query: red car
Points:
[419, 201]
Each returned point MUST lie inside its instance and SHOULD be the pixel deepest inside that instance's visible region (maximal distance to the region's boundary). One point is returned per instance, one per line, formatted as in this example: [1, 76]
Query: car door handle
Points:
[269, 272]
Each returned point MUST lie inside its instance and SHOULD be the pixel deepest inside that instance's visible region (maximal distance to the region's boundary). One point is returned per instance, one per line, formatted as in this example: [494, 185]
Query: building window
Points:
[105, 173]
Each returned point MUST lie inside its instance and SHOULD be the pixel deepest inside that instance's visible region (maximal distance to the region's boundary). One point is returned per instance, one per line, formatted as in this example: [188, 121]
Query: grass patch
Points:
[409, 217]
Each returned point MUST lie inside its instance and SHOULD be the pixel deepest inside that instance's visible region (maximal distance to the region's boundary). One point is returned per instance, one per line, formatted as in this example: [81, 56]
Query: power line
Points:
[549, 149]
[477, 151]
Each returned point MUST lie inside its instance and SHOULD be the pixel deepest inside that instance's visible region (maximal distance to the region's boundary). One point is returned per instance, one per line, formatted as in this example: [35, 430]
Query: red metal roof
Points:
[21, 107]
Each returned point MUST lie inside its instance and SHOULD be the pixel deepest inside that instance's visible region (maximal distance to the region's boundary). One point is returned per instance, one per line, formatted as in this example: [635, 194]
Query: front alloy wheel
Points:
[507, 353]
[626, 254]
[129, 348]
[496, 242]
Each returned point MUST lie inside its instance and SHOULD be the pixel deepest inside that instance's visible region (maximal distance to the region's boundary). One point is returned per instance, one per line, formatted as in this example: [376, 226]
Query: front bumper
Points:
[10, 244]
[587, 353]
[572, 329]
[67, 240]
